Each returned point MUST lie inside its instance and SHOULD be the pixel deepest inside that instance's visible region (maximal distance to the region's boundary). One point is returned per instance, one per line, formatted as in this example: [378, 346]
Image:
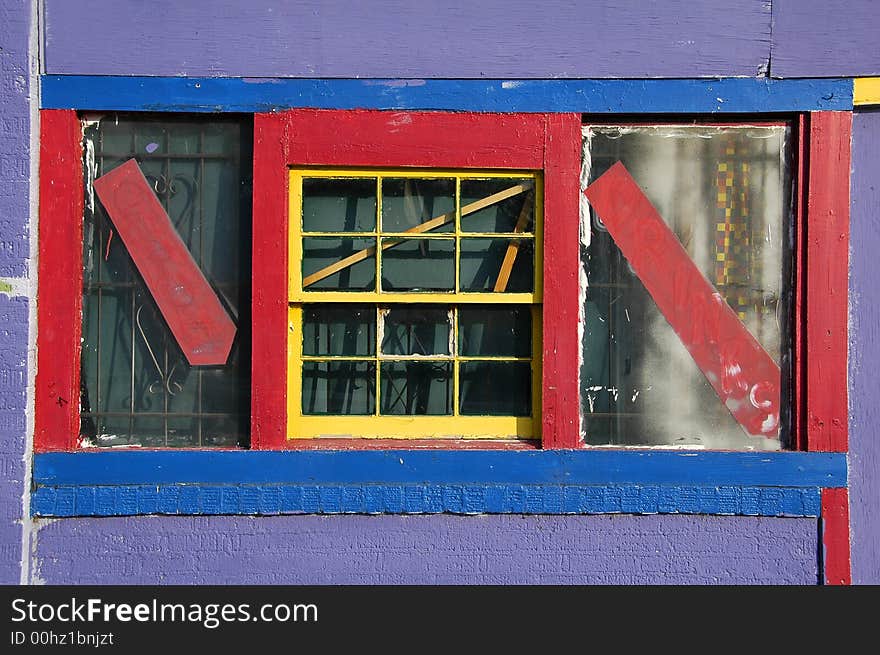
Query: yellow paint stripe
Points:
[866, 91]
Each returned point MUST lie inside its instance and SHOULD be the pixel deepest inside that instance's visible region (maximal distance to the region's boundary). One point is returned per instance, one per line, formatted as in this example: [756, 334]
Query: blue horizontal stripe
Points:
[602, 96]
[424, 499]
[485, 467]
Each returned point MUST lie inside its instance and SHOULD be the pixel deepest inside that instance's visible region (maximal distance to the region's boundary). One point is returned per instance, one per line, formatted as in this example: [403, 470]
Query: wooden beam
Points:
[513, 248]
[427, 226]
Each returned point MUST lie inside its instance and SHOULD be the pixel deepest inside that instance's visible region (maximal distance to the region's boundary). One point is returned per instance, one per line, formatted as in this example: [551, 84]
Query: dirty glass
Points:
[484, 261]
[496, 388]
[338, 205]
[339, 329]
[344, 387]
[418, 264]
[416, 330]
[726, 194]
[409, 202]
[318, 253]
[515, 214]
[416, 387]
[137, 388]
[495, 331]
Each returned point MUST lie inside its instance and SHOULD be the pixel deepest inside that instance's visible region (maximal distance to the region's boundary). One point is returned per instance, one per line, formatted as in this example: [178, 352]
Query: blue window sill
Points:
[125, 483]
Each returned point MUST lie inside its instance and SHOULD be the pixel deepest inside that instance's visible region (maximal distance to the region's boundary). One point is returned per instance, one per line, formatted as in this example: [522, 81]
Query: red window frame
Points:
[549, 142]
[360, 138]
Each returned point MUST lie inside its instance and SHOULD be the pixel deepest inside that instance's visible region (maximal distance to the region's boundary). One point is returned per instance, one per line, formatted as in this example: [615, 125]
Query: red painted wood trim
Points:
[59, 284]
[561, 367]
[835, 537]
[741, 372]
[827, 265]
[200, 325]
[366, 138]
[269, 278]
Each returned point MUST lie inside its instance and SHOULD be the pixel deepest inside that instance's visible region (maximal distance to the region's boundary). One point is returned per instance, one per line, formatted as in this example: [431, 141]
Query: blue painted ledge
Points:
[702, 96]
[416, 481]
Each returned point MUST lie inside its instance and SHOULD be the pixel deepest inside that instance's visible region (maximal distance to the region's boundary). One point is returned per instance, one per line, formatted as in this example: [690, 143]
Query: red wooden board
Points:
[744, 376]
[835, 536]
[59, 281]
[826, 280]
[200, 325]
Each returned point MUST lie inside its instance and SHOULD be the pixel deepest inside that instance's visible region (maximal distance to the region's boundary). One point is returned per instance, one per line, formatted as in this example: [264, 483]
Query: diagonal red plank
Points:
[744, 376]
[199, 322]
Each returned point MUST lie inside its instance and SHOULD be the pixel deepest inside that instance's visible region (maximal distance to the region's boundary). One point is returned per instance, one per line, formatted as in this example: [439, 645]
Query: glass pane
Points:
[344, 388]
[408, 202]
[504, 216]
[137, 388]
[724, 192]
[343, 330]
[417, 330]
[416, 387]
[338, 205]
[322, 253]
[418, 265]
[482, 260]
[494, 331]
[495, 388]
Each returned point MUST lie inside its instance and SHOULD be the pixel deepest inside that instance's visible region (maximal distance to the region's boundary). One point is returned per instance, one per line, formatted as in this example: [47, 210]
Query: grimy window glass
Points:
[137, 387]
[725, 192]
[414, 304]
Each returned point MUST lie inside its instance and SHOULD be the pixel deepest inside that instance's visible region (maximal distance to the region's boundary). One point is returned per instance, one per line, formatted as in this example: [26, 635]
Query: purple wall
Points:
[825, 38]
[678, 38]
[402, 38]
[864, 382]
[14, 174]
[440, 549]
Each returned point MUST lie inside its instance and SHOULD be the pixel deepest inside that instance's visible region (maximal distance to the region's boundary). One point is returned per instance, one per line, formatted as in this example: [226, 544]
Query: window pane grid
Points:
[136, 386]
[414, 375]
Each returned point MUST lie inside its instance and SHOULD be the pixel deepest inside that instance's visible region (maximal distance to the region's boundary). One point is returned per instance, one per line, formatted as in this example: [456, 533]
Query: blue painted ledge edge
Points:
[600, 96]
[537, 467]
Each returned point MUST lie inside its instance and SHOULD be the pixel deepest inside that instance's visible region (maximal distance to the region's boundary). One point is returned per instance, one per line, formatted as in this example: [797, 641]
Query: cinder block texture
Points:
[14, 253]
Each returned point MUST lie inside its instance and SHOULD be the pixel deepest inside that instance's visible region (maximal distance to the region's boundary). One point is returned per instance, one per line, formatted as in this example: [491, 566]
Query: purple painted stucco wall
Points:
[430, 550]
[14, 252]
[864, 381]
[497, 39]
[825, 38]
[402, 38]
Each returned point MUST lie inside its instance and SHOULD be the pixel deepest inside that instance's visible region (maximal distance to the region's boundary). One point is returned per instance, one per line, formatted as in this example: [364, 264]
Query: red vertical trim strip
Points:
[827, 279]
[835, 536]
[269, 294]
[59, 285]
[561, 392]
[799, 439]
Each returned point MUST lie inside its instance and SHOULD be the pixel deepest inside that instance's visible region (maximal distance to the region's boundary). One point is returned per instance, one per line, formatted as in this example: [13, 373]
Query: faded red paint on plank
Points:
[415, 138]
[827, 235]
[561, 367]
[744, 376]
[194, 314]
[59, 290]
[269, 306]
[835, 536]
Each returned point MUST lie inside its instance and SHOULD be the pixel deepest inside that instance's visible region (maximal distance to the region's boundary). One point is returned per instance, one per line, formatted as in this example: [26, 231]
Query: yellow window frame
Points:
[377, 426]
